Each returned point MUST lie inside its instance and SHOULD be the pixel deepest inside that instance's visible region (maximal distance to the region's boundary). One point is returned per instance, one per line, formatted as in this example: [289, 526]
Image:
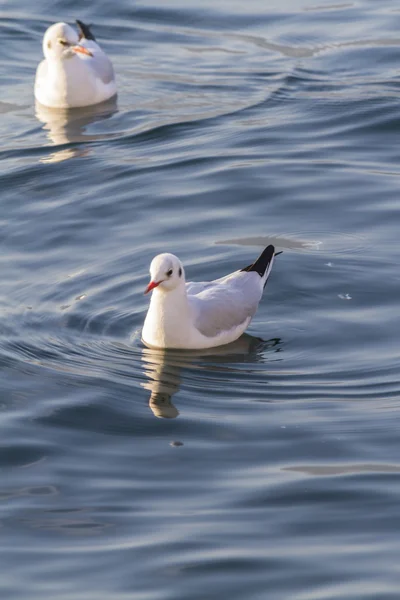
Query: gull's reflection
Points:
[64, 126]
[163, 367]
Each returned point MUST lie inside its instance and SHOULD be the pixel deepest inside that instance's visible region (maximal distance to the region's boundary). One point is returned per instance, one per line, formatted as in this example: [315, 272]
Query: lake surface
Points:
[266, 469]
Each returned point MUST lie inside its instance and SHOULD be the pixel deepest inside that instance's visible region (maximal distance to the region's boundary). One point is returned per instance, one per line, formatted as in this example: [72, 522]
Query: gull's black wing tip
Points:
[261, 265]
[84, 31]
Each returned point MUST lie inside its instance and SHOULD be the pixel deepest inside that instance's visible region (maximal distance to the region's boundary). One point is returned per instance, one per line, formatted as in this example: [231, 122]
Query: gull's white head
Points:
[61, 41]
[166, 273]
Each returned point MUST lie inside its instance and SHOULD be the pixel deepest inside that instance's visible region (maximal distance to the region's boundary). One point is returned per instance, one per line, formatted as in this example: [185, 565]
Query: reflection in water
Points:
[163, 367]
[64, 126]
[279, 241]
[306, 241]
[346, 469]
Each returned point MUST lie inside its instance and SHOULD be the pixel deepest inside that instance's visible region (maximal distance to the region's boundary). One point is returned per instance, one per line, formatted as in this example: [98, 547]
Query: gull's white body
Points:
[199, 315]
[68, 80]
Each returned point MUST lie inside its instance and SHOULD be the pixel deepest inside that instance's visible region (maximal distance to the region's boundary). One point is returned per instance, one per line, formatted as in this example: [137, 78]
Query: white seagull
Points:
[196, 315]
[75, 72]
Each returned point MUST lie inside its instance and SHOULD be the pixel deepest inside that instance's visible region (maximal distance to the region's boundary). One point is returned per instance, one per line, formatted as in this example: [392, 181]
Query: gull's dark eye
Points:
[180, 272]
[169, 273]
[63, 42]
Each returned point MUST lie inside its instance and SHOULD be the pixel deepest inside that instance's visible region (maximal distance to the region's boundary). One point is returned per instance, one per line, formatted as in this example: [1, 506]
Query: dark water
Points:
[237, 123]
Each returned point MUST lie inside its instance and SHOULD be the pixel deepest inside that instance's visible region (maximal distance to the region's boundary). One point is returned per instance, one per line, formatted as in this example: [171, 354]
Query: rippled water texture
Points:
[265, 469]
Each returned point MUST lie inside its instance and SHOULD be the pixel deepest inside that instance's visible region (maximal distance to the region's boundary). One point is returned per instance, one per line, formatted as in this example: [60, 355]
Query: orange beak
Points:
[81, 50]
[151, 286]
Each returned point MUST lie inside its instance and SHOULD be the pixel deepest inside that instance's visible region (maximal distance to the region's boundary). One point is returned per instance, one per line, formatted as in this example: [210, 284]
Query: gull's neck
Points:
[168, 320]
[57, 59]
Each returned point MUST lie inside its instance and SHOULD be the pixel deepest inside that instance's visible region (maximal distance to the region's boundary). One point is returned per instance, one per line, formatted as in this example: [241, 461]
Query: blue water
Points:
[267, 469]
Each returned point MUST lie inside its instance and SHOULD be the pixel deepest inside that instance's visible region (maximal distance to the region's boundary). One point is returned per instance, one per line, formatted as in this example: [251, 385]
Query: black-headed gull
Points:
[75, 71]
[197, 315]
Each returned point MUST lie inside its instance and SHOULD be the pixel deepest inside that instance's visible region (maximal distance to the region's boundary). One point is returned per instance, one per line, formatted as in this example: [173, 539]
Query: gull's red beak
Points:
[151, 286]
[81, 50]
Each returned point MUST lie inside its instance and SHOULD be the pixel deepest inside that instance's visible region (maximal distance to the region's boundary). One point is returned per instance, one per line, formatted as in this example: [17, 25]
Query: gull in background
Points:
[75, 71]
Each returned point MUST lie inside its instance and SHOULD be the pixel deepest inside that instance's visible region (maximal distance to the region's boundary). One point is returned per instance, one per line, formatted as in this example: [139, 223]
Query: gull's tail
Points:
[263, 264]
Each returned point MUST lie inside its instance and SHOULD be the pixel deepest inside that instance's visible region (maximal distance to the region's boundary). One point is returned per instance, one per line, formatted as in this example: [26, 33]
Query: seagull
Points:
[75, 71]
[196, 315]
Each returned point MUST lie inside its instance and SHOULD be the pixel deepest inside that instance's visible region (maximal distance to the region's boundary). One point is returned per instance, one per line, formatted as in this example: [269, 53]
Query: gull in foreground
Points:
[197, 315]
[75, 72]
